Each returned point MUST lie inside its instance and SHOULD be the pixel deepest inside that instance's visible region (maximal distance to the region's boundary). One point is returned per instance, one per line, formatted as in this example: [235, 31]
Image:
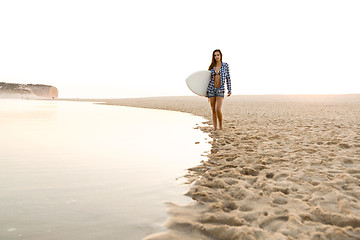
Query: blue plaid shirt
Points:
[224, 74]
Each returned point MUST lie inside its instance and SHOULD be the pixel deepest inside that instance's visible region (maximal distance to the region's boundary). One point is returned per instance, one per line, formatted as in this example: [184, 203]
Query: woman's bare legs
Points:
[216, 104]
[219, 102]
[213, 109]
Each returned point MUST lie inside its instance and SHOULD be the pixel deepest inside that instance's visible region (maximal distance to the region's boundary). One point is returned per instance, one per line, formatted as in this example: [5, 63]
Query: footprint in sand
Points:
[285, 191]
[222, 219]
[344, 145]
[280, 200]
[245, 208]
[249, 171]
[274, 223]
[270, 175]
[281, 176]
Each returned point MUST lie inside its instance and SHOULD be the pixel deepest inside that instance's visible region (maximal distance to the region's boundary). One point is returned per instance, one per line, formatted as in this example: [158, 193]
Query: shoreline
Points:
[284, 167]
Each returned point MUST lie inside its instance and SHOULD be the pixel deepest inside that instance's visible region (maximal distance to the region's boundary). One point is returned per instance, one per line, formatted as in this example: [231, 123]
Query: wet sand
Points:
[284, 167]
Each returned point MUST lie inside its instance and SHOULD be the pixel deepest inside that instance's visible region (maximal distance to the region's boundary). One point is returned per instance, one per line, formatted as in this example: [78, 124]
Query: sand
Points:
[284, 167]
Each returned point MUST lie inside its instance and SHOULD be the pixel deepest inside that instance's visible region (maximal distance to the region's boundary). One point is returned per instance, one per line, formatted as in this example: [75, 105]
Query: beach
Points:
[284, 167]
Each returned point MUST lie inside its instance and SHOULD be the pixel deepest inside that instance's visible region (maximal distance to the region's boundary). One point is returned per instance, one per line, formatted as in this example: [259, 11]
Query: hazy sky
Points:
[135, 48]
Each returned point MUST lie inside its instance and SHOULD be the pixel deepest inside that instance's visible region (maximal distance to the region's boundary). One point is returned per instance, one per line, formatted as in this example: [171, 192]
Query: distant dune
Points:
[14, 90]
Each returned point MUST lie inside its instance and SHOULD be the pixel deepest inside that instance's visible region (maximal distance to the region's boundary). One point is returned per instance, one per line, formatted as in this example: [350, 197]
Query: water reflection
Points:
[84, 171]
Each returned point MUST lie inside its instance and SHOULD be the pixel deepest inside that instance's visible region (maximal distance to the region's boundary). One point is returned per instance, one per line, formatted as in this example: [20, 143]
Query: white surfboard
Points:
[198, 82]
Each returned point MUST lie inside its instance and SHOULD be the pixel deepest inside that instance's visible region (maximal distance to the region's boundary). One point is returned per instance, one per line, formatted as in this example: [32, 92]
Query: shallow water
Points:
[76, 170]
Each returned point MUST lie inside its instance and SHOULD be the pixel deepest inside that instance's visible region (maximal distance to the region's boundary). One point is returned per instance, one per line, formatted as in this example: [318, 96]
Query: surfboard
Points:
[198, 82]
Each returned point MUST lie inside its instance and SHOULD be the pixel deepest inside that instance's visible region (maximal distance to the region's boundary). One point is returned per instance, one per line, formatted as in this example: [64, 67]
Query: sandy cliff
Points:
[28, 90]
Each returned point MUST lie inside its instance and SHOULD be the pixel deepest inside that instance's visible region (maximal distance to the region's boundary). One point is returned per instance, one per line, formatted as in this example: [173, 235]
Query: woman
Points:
[215, 91]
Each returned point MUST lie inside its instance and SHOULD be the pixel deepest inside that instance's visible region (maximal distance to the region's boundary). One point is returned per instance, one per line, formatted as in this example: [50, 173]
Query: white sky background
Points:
[115, 49]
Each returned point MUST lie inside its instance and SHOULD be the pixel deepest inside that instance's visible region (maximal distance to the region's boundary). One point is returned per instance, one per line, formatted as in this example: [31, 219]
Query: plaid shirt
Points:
[224, 74]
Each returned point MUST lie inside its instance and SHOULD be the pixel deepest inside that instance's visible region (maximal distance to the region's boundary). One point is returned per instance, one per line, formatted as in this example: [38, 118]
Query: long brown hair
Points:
[213, 61]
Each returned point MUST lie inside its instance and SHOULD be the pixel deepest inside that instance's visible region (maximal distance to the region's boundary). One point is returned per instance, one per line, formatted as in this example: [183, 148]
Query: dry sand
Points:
[284, 167]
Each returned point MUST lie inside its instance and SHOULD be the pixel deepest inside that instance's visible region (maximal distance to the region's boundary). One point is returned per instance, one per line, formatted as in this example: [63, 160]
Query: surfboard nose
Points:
[198, 82]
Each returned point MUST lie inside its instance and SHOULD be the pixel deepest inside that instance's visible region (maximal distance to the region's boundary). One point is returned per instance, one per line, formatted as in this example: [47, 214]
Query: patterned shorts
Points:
[217, 92]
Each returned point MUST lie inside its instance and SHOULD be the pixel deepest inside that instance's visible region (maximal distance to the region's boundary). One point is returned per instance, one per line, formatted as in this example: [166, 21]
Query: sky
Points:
[142, 48]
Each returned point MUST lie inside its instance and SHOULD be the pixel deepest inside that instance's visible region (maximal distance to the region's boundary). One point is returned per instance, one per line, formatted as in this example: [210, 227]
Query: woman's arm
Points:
[228, 80]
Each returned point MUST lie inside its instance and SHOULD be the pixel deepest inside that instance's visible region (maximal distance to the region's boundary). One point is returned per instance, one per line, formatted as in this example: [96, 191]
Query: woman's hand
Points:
[229, 94]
